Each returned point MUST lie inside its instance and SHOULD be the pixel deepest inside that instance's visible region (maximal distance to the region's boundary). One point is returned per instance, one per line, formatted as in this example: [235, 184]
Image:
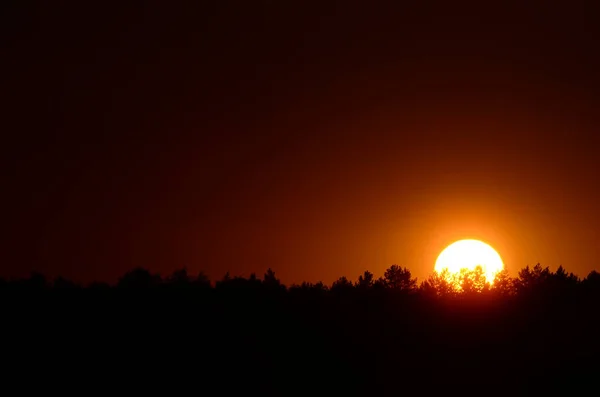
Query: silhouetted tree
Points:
[235, 284]
[564, 279]
[224, 282]
[473, 281]
[320, 287]
[503, 284]
[438, 284]
[592, 279]
[201, 281]
[270, 281]
[399, 279]
[365, 280]
[304, 287]
[179, 278]
[532, 279]
[36, 281]
[307, 289]
[380, 284]
[591, 285]
[342, 284]
[139, 278]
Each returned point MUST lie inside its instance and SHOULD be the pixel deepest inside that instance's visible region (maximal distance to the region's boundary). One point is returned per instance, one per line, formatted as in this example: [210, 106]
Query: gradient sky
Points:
[317, 138]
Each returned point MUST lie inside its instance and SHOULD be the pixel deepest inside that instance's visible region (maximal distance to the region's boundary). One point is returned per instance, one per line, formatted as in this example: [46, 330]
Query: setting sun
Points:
[468, 254]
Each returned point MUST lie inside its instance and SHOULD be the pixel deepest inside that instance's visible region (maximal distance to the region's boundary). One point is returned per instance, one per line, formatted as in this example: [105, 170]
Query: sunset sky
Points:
[318, 138]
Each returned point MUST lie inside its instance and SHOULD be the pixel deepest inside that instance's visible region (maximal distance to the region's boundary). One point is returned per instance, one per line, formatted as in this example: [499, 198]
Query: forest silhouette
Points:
[534, 333]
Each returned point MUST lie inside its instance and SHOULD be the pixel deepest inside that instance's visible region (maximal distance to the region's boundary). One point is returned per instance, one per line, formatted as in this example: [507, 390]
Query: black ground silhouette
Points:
[533, 334]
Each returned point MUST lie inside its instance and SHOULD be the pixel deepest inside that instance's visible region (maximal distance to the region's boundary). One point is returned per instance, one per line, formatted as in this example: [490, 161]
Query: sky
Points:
[320, 139]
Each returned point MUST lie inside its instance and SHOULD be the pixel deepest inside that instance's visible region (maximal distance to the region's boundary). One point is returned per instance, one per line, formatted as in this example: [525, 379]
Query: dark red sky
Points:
[318, 138]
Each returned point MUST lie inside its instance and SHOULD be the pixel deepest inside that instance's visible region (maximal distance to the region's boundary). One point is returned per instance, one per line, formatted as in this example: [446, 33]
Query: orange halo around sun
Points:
[468, 254]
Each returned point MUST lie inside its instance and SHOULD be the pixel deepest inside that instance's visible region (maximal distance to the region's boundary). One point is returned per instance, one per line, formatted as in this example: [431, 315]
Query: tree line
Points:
[396, 279]
[534, 333]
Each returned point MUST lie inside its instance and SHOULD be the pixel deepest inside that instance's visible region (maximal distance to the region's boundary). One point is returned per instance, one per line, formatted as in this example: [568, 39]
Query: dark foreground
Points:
[277, 342]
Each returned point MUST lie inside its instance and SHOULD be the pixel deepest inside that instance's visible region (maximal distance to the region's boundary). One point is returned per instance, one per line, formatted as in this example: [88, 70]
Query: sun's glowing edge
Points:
[468, 254]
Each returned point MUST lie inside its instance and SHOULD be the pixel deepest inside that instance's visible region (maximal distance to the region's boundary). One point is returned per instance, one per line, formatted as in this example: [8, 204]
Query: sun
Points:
[468, 254]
